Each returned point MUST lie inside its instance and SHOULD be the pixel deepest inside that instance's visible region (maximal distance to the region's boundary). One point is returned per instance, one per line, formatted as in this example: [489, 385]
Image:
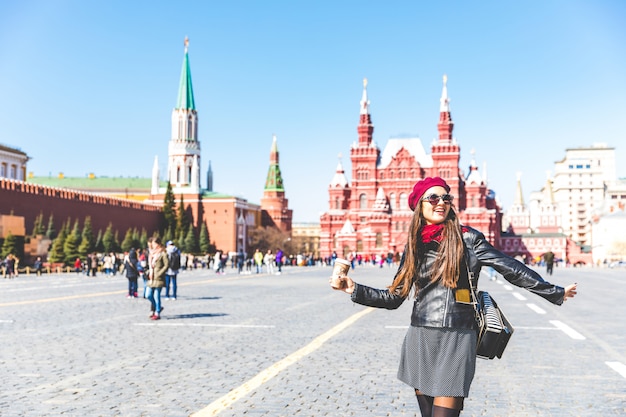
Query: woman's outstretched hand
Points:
[570, 291]
[342, 283]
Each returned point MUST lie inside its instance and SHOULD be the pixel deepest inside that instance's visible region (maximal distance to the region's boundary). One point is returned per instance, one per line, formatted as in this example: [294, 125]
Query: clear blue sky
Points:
[89, 86]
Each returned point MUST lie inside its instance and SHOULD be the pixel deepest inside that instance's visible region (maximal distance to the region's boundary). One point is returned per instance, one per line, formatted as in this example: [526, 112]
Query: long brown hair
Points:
[447, 266]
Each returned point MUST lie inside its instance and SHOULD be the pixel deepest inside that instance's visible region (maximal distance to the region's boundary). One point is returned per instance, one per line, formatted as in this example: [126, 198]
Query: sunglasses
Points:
[434, 199]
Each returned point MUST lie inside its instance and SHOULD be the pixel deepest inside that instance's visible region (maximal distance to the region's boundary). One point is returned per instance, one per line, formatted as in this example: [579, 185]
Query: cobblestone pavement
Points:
[287, 345]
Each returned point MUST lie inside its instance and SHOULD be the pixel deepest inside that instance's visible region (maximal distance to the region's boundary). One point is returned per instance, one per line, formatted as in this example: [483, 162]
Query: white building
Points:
[13, 163]
[579, 188]
[609, 238]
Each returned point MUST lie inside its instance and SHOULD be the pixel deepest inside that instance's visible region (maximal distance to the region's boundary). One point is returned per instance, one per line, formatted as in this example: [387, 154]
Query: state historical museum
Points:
[371, 215]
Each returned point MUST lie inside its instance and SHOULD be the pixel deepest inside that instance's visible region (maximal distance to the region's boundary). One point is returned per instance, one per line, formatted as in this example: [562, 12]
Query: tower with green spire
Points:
[183, 170]
[274, 206]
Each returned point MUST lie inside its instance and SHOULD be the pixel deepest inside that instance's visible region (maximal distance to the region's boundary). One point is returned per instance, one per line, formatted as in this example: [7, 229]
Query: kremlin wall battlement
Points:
[30, 200]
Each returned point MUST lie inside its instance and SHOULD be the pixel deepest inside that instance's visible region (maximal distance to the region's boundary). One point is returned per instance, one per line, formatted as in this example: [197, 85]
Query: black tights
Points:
[428, 408]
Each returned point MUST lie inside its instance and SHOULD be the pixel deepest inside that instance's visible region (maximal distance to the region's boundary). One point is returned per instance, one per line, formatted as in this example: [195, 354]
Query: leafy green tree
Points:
[50, 231]
[169, 215]
[265, 238]
[205, 242]
[191, 243]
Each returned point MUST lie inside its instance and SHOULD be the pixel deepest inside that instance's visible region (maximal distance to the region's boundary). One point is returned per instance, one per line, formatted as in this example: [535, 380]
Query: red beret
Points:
[421, 186]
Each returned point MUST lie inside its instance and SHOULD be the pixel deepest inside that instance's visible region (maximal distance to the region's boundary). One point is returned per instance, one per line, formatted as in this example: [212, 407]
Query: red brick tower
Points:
[274, 205]
[446, 152]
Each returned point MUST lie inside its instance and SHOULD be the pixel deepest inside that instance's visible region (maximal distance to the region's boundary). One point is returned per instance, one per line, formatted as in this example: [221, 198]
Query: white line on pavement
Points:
[567, 330]
[260, 326]
[536, 308]
[236, 394]
[519, 296]
[508, 287]
[618, 367]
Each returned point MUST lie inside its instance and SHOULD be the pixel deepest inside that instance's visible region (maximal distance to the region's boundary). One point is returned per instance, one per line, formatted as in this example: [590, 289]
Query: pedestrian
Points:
[10, 266]
[142, 267]
[131, 266]
[438, 356]
[94, 264]
[258, 260]
[240, 260]
[77, 265]
[269, 260]
[38, 265]
[174, 258]
[156, 280]
[279, 260]
[548, 258]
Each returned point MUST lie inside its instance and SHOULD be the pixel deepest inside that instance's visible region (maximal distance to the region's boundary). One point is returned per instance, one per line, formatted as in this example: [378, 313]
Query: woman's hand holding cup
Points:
[339, 280]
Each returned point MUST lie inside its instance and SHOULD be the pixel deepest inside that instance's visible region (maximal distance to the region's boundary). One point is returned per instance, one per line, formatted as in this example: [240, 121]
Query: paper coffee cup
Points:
[340, 269]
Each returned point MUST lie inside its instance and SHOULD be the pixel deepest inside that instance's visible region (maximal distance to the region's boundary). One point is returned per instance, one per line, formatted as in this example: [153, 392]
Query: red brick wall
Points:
[29, 200]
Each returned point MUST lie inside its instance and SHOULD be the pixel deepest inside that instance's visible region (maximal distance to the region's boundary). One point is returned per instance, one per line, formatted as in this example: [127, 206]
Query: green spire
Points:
[274, 181]
[185, 90]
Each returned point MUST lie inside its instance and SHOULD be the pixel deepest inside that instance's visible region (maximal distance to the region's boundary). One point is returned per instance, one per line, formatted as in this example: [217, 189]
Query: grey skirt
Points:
[440, 362]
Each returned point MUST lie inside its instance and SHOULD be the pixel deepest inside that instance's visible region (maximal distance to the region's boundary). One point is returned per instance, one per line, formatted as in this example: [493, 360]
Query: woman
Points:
[439, 351]
[156, 277]
[131, 266]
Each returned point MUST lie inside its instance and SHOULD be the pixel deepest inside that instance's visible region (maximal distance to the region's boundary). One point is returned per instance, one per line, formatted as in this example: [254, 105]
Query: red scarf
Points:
[432, 232]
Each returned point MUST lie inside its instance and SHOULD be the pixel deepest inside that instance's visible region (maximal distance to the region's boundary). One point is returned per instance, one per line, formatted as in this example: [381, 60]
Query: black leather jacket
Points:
[436, 305]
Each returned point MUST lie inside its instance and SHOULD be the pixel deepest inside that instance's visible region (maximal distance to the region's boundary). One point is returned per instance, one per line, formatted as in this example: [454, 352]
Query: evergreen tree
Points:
[191, 243]
[127, 243]
[205, 241]
[143, 240]
[108, 239]
[88, 242]
[56, 253]
[169, 215]
[136, 238]
[71, 244]
[99, 246]
[181, 222]
[9, 245]
[38, 228]
[50, 231]
[41, 229]
[116, 242]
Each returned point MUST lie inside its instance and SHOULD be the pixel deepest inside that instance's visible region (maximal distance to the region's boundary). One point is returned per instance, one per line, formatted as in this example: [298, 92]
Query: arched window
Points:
[404, 202]
[363, 201]
[392, 201]
[359, 245]
[379, 240]
[337, 203]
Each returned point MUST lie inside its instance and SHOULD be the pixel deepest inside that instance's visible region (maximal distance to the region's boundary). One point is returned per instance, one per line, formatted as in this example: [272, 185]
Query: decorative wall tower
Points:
[364, 156]
[274, 205]
[518, 214]
[183, 170]
[446, 152]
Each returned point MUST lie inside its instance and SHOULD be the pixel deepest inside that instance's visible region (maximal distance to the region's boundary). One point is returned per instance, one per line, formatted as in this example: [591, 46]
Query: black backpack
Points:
[174, 259]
